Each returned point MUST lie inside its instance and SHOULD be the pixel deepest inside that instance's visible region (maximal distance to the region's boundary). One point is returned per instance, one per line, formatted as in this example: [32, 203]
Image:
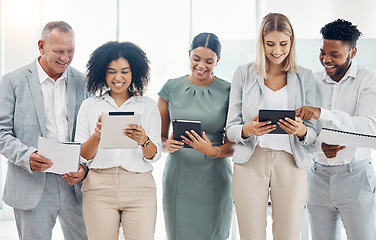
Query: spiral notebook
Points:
[348, 139]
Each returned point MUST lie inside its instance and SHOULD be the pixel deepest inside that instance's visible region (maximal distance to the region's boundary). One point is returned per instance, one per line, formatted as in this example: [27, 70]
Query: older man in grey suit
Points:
[42, 99]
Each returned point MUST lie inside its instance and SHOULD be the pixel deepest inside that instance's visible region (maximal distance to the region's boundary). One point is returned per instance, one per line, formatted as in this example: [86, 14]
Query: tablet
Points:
[113, 124]
[274, 116]
[179, 127]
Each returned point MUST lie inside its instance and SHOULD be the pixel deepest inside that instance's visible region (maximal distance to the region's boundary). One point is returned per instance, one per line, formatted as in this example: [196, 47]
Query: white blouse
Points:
[275, 100]
[129, 159]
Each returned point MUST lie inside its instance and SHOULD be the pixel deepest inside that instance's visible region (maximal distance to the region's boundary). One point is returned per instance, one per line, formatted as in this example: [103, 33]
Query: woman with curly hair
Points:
[119, 188]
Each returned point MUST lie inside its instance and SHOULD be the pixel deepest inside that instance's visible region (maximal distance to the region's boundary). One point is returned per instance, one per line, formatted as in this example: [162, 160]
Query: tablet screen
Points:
[274, 116]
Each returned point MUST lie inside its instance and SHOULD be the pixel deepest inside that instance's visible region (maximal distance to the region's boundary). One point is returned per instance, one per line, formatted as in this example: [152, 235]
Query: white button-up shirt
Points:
[348, 105]
[129, 159]
[55, 105]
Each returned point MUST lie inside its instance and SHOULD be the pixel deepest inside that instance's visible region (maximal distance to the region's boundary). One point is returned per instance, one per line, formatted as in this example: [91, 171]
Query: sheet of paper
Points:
[347, 139]
[64, 156]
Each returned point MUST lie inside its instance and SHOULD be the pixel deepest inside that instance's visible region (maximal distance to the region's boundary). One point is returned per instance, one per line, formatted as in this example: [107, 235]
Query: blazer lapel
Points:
[261, 84]
[71, 95]
[36, 94]
[291, 89]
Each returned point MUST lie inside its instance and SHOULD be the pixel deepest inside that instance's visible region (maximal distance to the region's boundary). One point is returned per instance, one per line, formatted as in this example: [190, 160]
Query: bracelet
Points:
[146, 143]
[219, 151]
[246, 129]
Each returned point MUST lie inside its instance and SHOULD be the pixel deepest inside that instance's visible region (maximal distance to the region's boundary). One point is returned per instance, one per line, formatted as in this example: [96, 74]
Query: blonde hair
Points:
[280, 23]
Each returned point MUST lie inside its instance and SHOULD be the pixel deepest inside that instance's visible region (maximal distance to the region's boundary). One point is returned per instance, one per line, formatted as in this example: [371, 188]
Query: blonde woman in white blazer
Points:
[270, 163]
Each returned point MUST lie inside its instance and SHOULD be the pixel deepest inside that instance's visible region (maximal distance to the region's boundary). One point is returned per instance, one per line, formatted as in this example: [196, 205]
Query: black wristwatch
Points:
[146, 143]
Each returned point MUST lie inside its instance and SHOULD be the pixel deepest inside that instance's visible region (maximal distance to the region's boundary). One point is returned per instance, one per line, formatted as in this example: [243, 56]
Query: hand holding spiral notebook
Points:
[348, 139]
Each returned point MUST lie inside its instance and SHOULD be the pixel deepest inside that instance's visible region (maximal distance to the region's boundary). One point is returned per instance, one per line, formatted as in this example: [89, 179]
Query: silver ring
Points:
[263, 131]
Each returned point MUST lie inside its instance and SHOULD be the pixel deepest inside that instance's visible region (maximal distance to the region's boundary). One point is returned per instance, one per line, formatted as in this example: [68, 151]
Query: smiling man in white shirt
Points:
[42, 99]
[342, 180]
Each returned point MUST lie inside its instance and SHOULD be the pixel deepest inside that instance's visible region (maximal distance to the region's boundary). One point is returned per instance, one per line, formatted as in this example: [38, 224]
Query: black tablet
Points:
[274, 116]
[179, 126]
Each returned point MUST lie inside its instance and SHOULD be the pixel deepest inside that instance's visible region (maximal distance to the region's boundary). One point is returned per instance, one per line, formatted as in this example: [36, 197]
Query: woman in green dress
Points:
[197, 200]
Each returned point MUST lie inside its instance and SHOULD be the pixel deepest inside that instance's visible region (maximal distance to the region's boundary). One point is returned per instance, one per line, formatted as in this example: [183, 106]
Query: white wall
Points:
[308, 16]
[21, 29]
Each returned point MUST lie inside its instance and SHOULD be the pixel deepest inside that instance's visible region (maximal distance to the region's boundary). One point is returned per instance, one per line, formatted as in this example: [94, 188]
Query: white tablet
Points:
[113, 124]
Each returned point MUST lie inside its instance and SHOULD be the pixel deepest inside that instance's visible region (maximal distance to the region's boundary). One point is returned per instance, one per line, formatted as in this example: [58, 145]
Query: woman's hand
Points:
[293, 127]
[137, 133]
[201, 144]
[172, 145]
[98, 129]
[257, 128]
[89, 148]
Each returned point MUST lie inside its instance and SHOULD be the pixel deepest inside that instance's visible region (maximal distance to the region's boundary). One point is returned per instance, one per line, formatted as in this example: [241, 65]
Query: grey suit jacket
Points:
[22, 121]
[247, 97]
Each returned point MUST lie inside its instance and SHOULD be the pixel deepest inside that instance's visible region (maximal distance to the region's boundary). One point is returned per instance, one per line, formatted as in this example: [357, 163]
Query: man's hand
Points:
[307, 113]
[74, 177]
[39, 163]
[331, 151]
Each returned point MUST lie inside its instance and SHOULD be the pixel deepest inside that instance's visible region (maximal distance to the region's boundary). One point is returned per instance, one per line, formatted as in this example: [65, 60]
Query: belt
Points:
[115, 170]
[344, 167]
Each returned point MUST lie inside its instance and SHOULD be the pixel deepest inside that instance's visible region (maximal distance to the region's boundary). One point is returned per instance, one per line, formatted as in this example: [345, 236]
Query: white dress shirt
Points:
[55, 105]
[348, 105]
[130, 159]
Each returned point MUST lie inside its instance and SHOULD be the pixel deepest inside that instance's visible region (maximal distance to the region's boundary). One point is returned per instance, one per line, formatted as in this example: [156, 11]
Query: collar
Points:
[43, 76]
[106, 96]
[350, 74]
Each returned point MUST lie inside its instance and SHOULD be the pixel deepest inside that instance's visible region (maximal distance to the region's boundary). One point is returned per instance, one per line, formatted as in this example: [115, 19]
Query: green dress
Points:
[197, 199]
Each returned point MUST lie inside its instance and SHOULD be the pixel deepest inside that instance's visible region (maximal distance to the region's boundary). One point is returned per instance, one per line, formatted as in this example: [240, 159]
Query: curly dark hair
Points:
[110, 51]
[341, 30]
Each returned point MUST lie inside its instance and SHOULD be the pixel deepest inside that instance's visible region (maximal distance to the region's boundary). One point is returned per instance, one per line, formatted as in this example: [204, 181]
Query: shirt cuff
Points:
[304, 140]
[156, 157]
[245, 140]
[325, 115]
[27, 166]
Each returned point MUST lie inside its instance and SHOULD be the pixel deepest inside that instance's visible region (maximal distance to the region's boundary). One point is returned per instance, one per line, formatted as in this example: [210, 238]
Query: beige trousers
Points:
[276, 170]
[115, 196]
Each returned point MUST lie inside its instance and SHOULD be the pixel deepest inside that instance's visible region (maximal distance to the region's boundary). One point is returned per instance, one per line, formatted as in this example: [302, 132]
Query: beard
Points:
[341, 70]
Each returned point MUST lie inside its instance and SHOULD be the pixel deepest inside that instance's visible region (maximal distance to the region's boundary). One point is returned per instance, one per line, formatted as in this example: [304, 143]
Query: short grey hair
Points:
[60, 25]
